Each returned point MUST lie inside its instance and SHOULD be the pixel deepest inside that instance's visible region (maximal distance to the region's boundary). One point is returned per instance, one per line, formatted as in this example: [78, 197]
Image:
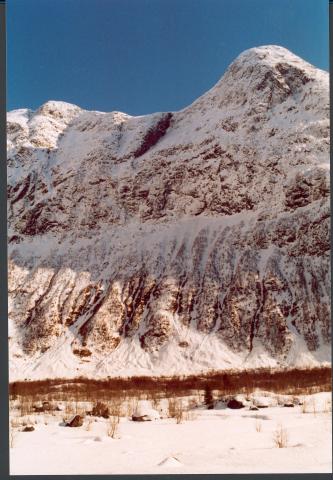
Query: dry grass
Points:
[280, 437]
[130, 406]
[304, 406]
[74, 407]
[328, 406]
[193, 403]
[258, 424]
[309, 406]
[66, 419]
[176, 409]
[15, 422]
[313, 406]
[25, 406]
[113, 426]
[12, 437]
[116, 408]
[171, 407]
[70, 408]
[189, 415]
[155, 402]
[89, 425]
[27, 421]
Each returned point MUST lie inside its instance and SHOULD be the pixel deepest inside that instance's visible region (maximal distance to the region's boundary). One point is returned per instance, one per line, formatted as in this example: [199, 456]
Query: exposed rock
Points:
[144, 412]
[141, 418]
[162, 238]
[76, 421]
[82, 352]
[47, 406]
[28, 428]
[235, 404]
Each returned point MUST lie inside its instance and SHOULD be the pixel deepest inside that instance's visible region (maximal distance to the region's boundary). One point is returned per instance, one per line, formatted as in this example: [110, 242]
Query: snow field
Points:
[219, 440]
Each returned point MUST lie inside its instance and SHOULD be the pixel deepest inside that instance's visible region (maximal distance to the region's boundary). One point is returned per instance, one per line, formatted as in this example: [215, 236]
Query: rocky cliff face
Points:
[178, 241]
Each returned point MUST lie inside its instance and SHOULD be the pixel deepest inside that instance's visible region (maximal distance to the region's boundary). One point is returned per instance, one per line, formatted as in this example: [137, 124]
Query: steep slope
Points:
[178, 241]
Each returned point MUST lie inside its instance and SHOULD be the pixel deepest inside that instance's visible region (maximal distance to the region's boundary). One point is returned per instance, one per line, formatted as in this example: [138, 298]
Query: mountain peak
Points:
[174, 242]
[58, 109]
[268, 75]
[268, 53]
[272, 57]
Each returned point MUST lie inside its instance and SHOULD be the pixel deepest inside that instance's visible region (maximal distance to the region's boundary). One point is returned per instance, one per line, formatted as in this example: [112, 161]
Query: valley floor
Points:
[220, 440]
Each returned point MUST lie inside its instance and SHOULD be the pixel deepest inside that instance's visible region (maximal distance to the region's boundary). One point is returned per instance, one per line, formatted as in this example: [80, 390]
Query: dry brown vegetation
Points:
[89, 425]
[117, 397]
[174, 397]
[280, 437]
[258, 424]
[117, 390]
[113, 426]
[328, 406]
[12, 436]
[176, 409]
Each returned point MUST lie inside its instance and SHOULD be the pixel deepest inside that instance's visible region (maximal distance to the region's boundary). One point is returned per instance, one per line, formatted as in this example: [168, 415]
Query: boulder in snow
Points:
[141, 418]
[144, 412]
[235, 404]
[76, 421]
[28, 428]
[46, 406]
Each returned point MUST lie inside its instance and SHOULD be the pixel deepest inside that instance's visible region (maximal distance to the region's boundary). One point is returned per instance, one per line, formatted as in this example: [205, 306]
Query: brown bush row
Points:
[292, 381]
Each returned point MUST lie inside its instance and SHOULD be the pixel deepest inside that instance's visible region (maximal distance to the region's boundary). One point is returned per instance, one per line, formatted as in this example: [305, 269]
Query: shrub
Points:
[100, 410]
[113, 426]
[131, 406]
[176, 409]
[309, 406]
[25, 406]
[280, 437]
[208, 398]
[115, 407]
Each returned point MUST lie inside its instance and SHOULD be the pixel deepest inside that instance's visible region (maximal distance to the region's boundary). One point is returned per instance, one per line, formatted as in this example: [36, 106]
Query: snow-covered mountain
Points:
[174, 242]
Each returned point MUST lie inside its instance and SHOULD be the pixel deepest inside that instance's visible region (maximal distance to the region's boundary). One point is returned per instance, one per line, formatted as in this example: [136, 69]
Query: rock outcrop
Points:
[178, 241]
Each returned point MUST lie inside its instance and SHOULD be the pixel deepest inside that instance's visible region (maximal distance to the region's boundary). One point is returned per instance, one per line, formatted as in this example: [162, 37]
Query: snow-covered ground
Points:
[210, 441]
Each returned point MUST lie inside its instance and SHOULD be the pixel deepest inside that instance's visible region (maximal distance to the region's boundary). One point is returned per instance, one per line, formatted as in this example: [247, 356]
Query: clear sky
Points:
[144, 56]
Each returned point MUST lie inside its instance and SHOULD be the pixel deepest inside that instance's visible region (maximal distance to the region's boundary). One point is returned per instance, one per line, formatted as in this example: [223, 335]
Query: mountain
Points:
[174, 242]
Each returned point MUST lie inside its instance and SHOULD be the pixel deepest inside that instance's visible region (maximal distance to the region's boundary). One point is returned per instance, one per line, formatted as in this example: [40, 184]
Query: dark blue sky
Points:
[142, 56]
